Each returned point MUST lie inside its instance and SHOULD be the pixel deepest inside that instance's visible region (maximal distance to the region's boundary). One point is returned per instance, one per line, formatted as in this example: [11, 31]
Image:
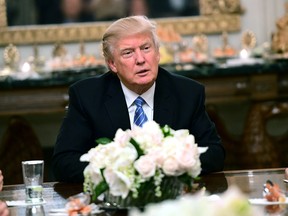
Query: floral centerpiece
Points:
[232, 202]
[142, 165]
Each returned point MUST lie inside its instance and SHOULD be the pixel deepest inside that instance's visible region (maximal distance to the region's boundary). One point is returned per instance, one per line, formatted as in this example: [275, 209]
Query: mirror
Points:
[43, 12]
[215, 16]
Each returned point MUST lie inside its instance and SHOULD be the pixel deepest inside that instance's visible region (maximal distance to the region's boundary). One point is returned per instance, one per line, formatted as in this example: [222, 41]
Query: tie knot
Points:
[139, 101]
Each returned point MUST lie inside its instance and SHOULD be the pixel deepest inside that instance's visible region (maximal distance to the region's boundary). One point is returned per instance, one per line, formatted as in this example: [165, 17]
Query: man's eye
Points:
[146, 48]
[127, 53]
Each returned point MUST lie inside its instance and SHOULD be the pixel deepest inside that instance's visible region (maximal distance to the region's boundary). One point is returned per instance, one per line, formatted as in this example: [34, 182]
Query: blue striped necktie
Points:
[140, 117]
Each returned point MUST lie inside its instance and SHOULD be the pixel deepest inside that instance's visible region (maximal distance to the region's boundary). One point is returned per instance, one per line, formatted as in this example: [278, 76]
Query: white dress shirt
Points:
[148, 107]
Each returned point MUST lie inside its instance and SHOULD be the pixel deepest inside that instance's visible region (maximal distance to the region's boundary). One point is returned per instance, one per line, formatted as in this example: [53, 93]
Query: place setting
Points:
[32, 171]
[139, 186]
[272, 195]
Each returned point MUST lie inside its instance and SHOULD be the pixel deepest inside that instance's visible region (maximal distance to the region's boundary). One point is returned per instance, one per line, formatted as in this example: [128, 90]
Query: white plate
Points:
[22, 203]
[262, 201]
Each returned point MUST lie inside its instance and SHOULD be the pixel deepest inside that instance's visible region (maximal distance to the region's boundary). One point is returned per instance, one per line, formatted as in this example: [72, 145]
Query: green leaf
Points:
[103, 141]
[166, 130]
[99, 189]
[137, 147]
[187, 180]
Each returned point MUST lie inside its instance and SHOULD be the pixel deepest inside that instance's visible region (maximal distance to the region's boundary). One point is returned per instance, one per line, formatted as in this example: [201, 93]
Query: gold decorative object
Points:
[3, 18]
[230, 6]
[225, 40]
[209, 7]
[168, 34]
[36, 61]
[226, 51]
[200, 43]
[11, 56]
[200, 48]
[213, 19]
[82, 48]
[59, 50]
[248, 40]
[280, 37]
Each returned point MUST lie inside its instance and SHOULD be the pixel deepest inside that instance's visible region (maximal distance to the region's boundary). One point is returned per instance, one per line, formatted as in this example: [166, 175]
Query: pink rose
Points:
[171, 167]
[158, 156]
[186, 156]
[145, 166]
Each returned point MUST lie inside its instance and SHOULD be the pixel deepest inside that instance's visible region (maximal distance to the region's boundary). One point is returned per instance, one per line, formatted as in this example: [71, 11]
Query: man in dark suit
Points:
[98, 106]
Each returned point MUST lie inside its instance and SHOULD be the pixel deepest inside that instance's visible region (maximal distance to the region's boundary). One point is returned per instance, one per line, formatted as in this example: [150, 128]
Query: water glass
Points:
[33, 179]
[35, 210]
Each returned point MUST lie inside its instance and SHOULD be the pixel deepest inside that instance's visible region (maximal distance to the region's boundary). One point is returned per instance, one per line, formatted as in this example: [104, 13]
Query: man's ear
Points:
[158, 56]
[112, 66]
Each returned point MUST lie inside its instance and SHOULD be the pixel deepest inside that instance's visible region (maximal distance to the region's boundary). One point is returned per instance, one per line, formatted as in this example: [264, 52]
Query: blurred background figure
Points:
[63, 11]
[138, 7]
[173, 8]
[48, 11]
[184, 7]
[3, 209]
[17, 12]
[19, 142]
[30, 12]
[74, 11]
[108, 10]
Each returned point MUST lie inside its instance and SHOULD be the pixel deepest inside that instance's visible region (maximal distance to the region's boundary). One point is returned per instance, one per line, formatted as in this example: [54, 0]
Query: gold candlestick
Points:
[11, 59]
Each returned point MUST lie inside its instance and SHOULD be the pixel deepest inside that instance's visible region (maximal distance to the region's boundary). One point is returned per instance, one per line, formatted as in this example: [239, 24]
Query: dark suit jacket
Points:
[97, 108]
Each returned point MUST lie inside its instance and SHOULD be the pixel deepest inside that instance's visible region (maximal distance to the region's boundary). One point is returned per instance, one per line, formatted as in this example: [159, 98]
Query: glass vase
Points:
[171, 188]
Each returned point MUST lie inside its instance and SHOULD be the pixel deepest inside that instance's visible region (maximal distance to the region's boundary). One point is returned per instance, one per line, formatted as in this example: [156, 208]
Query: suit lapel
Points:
[116, 105]
[164, 101]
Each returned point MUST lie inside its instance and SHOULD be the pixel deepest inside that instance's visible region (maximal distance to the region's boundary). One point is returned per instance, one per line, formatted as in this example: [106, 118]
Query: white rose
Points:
[94, 174]
[170, 145]
[122, 137]
[149, 136]
[89, 155]
[183, 133]
[171, 167]
[146, 166]
[105, 154]
[187, 155]
[151, 127]
[195, 170]
[125, 156]
[190, 139]
[119, 184]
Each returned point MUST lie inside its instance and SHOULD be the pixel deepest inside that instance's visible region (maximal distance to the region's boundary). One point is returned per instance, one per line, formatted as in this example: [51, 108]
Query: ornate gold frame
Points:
[216, 16]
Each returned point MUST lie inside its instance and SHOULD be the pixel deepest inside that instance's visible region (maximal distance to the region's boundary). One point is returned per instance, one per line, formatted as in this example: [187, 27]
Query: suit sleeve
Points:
[74, 139]
[206, 135]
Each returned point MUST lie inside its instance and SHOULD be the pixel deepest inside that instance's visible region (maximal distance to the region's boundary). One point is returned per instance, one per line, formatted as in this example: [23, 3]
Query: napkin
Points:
[263, 201]
[22, 203]
[64, 212]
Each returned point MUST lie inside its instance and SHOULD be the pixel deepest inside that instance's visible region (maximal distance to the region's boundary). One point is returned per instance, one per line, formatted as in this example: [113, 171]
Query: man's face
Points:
[72, 8]
[135, 61]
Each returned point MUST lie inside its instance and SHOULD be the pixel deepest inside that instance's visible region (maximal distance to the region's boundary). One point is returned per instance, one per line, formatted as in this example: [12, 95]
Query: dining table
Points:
[250, 182]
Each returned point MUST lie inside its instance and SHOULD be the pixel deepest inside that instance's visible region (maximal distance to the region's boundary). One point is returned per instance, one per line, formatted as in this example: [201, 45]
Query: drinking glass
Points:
[35, 210]
[33, 179]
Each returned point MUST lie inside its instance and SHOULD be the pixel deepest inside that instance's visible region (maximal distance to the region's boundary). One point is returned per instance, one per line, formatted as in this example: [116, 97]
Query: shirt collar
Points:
[130, 96]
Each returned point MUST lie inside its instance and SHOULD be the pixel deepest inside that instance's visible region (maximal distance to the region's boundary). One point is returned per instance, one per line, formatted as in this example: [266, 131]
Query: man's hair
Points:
[124, 27]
